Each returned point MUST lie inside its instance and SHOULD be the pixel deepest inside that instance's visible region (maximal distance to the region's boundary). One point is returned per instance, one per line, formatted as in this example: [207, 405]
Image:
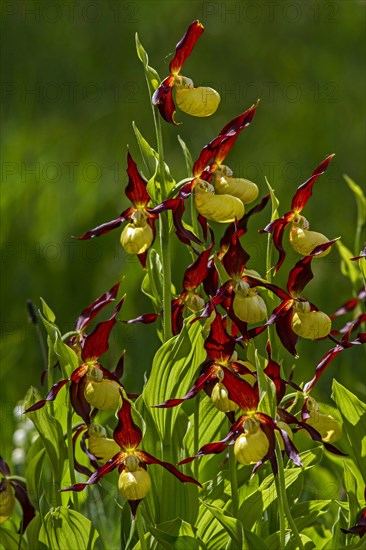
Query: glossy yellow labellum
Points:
[250, 308]
[103, 395]
[243, 189]
[304, 241]
[136, 240]
[220, 398]
[134, 485]
[249, 448]
[311, 324]
[218, 208]
[103, 448]
[328, 427]
[7, 501]
[200, 102]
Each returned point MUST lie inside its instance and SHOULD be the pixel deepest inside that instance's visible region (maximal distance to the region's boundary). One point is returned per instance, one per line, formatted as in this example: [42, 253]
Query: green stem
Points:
[196, 434]
[282, 496]
[233, 481]
[281, 513]
[140, 529]
[50, 378]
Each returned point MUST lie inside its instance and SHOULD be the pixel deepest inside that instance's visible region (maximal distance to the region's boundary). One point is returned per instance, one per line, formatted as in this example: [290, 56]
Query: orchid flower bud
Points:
[310, 324]
[304, 241]
[218, 208]
[200, 102]
[248, 306]
[134, 485]
[243, 189]
[251, 446]
[101, 446]
[102, 395]
[220, 398]
[7, 500]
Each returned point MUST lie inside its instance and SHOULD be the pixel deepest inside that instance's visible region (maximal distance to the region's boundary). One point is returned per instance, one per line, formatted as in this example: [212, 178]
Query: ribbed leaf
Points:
[64, 528]
[11, 540]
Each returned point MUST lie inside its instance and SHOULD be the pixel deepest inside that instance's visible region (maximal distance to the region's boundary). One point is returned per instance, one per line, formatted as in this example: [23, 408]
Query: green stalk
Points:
[233, 481]
[282, 497]
[281, 513]
[196, 434]
[140, 529]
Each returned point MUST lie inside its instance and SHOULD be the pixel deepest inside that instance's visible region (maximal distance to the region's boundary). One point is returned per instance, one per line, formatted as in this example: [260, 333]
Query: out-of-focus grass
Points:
[72, 85]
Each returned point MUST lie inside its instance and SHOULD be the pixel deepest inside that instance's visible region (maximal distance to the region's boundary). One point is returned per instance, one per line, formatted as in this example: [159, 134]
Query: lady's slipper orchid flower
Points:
[200, 102]
[296, 316]
[329, 428]
[219, 208]
[10, 491]
[134, 481]
[302, 240]
[91, 384]
[138, 235]
[225, 183]
[221, 367]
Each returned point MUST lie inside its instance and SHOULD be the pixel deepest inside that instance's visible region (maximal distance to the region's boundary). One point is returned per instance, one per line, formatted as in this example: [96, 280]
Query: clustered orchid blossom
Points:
[134, 481]
[11, 490]
[200, 102]
[138, 235]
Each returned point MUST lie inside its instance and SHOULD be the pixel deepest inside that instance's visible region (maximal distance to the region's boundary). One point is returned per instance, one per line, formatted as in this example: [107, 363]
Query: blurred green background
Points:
[71, 87]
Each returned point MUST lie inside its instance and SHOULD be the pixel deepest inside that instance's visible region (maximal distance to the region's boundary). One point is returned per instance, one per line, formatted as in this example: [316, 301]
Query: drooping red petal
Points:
[90, 312]
[282, 316]
[96, 343]
[99, 473]
[197, 271]
[118, 371]
[235, 258]
[4, 468]
[315, 435]
[177, 208]
[145, 318]
[206, 156]
[206, 376]
[219, 344]
[106, 227]
[211, 282]
[51, 396]
[299, 276]
[78, 401]
[22, 497]
[321, 366]
[240, 391]
[126, 433]
[185, 46]
[277, 228]
[362, 255]
[149, 459]
[136, 190]
[350, 304]
[273, 371]
[360, 528]
[163, 98]
[304, 191]
[80, 467]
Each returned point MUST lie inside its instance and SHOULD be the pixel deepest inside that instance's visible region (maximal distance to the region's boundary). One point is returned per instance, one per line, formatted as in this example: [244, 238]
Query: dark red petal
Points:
[277, 228]
[282, 316]
[118, 371]
[177, 309]
[299, 276]
[185, 46]
[78, 401]
[304, 191]
[163, 98]
[106, 227]
[149, 459]
[211, 282]
[126, 433]
[80, 467]
[197, 271]
[145, 318]
[273, 371]
[209, 374]
[240, 391]
[51, 396]
[96, 343]
[231, 131]
[136, 190]
[98, 474]
[315, 435]
[350, 304]
[22, 497]
[235, 258]
[90, 312]
[219, 344]
[321, 366]
[240, 227]
[362, 255]
[290, 448]
[206, 156]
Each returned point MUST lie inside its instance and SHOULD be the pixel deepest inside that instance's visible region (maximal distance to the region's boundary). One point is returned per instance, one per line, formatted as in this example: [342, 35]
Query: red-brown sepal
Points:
[51, 396]
[185, 46]
[109, 466]
[235, 258]
[96, 343]
[136, 190]
[149, 459]
[107, 226]
[88, 314]
[219, 344]
[197, 272]
[304, 191]
[126, 434]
